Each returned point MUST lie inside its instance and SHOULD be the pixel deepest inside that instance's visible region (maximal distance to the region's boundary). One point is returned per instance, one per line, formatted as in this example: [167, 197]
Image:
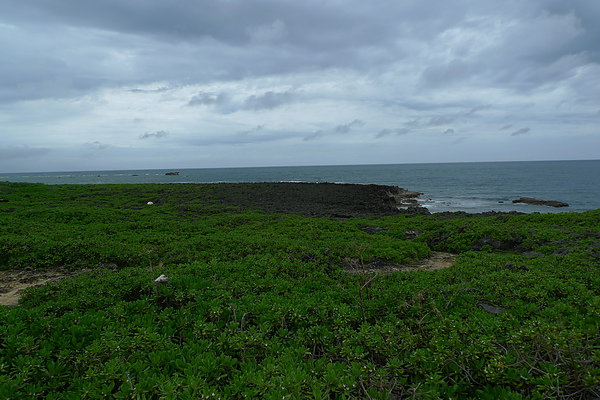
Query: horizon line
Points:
[293, 166]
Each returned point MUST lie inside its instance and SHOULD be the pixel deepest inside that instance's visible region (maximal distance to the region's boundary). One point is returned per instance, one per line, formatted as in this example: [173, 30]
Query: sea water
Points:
[469, 187]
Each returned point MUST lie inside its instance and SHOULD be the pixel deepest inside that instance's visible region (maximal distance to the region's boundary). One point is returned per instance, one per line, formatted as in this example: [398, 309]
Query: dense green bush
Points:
[260, 306]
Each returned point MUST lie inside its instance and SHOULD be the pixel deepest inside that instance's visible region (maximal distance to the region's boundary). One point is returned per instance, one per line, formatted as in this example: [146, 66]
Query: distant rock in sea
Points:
[538, 202]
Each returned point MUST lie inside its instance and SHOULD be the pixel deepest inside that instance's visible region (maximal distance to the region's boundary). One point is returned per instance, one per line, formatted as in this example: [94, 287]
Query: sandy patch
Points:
[13, 282]
[436, 260]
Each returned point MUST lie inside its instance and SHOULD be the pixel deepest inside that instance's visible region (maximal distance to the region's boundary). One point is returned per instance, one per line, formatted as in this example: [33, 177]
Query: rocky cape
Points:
[309, 199]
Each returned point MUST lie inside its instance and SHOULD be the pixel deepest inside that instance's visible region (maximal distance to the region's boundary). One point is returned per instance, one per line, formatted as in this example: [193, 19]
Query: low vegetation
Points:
[262, 305]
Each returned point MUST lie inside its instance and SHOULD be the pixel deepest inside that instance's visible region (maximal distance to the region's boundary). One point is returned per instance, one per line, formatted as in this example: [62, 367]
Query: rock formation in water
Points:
[538, 202]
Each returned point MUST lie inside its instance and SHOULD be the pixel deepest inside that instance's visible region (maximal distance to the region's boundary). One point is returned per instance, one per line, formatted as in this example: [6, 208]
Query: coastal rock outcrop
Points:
[339, 200]
[403, 198]
[538, 202]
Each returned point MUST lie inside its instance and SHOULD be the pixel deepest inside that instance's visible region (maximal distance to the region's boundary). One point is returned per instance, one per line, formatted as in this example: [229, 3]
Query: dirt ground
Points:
[437, 260]
[13, 282]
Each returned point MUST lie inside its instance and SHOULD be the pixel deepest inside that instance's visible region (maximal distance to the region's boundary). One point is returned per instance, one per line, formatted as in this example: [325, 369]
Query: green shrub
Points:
[259, 305]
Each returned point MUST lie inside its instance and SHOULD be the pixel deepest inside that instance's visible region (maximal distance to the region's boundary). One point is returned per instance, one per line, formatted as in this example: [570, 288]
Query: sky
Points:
[144, 84]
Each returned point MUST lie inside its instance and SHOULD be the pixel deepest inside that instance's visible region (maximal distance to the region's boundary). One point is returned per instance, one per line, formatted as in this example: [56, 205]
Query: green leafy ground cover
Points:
[261, 306]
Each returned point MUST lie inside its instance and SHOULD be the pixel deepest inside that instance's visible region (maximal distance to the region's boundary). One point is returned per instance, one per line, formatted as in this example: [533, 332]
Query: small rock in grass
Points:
[491, 309]
[161, 280]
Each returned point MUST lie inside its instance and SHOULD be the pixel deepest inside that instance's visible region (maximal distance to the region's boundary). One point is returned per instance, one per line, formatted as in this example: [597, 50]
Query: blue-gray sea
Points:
[470, 187]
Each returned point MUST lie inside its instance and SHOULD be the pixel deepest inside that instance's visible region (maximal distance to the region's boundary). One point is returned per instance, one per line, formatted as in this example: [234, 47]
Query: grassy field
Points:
[280, 305]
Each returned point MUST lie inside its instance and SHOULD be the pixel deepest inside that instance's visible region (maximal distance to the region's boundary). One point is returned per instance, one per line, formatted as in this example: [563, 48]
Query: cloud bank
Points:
[186, 83]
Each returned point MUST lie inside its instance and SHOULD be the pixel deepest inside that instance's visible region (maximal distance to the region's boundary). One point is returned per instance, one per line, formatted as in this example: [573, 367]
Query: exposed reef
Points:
[538, 202]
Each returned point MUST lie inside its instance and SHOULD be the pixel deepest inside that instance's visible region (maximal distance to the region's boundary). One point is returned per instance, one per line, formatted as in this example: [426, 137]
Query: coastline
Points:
[463, 187]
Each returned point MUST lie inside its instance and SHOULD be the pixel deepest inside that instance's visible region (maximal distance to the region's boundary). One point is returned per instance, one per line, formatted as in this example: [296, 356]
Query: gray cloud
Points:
[412, 124]
[156, 90]
[268, 33]
[440, 75]
[441, 120]
[257, 128]
[18, 152]
[315, 135]
[97, 146]
[207, 99]
[345, 128]
[476, 109]
[449, 118]
[71, 67]
[449, 132]
[521, 131]
[396, 131]
[155, 135]
[268, 100]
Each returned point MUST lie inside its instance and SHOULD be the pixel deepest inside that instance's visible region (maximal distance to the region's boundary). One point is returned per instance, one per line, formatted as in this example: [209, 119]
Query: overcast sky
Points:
[140, 84]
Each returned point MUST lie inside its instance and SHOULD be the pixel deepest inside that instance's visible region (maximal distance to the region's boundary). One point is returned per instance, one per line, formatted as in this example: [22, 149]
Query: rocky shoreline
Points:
[316, 199]
[326, 199]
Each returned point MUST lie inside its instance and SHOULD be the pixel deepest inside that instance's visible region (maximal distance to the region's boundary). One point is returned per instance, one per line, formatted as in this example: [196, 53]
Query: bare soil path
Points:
[436, 260]
[13, 282]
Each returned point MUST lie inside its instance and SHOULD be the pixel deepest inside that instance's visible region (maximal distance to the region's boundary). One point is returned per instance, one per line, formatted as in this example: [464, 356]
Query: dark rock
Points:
[371, 230]
[533, 254]
[593, 245]
[494, 243]
[307, 199]
[340, 216]
[564, 241]
[594, 248]
[109, 266]
[437, 239]
[513, 267]
[402, 198]
[416, 210]
[491, 309]
[412, 234]
[562, 251]
[538, 202]
[510, 245]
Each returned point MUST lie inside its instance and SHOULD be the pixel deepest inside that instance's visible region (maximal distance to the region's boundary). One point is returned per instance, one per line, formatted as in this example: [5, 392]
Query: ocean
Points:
[469, 187]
